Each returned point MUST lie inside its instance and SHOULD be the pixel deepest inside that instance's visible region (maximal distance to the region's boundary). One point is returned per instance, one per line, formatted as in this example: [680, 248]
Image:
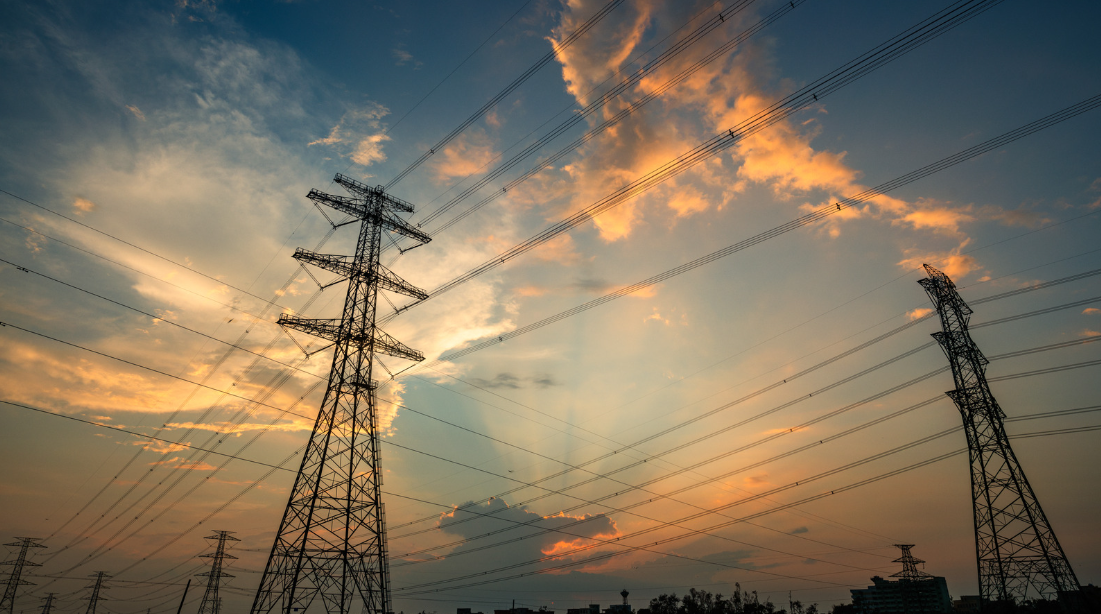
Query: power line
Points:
[139, 248]
[457, 67]
[894, 48]
[821, 213]
[1011, 292]
[129, 268]
[279, 467]
[631, 80]
[191, 330]
[155, 317]
[426, 587]
[618, 72]
[773, 437]
[550, 56]
[1023, 435]
[803, 373]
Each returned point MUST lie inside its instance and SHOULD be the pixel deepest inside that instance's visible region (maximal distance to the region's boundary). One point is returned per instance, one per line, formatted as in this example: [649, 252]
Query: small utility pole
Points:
[186, 586]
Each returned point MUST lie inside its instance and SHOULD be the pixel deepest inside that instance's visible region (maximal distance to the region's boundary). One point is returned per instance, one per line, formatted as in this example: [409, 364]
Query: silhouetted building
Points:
[594, 608]
[967, 604]
[620, 608]
[903, 596]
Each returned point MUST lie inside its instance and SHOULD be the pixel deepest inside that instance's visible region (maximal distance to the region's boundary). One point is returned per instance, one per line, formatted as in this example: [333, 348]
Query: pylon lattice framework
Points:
[331, 541]
[15, 580]
[97, 592]
[910, 564]
[212, 602]
[1019, 557]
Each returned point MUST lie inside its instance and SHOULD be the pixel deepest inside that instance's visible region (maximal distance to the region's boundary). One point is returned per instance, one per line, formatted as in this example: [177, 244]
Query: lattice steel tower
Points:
[212, 603]
[332, 539]
[1019, 557]
[15, 580]
[97, 592]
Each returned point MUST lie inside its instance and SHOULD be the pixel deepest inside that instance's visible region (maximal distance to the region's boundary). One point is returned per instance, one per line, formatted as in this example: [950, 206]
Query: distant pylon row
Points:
[210, 604]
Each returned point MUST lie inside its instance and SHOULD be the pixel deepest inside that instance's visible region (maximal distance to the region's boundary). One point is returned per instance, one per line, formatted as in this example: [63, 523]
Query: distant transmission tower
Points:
[212, 603]
[908, 577]
[1019, 557]
[15, 580]
[97, 589]
[49, 605]
[909, 565]
[332, 539]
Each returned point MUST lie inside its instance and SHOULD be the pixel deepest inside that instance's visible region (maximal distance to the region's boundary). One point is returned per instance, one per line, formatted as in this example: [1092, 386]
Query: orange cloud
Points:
[918, 313]
[937, 218]
[467, 155]
[953, 264]
[83, 205]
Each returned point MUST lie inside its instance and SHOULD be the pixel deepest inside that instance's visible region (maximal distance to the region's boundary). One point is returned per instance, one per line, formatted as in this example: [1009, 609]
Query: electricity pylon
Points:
[1018, 556]
[49, 605]
[212, 603]
[15, 580]
[97, 588]
[909, 575]
[331, 542]
[909, 565]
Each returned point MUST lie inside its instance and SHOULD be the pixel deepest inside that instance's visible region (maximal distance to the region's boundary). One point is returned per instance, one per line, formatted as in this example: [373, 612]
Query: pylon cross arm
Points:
[386, 344]
[366, 191]
[341, 265]
[387, 280]
[328, 329]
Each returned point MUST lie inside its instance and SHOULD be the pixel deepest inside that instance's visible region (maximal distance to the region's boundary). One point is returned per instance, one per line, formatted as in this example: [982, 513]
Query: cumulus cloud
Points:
[918, 313]
[358, 135]
[952, 263]
[578, 531]
[466, 155]
[83, 205]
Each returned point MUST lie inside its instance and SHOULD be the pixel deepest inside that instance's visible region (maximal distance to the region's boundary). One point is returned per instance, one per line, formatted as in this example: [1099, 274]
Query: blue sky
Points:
[193, 131]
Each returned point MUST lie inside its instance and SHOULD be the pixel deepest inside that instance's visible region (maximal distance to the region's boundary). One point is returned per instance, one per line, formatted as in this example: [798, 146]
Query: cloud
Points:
[83, 205]
[583, 528]
[952, 263]
[403, 57]
[466, 155]
[358, 135]
[136, 112]
[1021, 216]
[515, 382]
[369, 150]
[1093, 311]
[918, 313]
[928, 215]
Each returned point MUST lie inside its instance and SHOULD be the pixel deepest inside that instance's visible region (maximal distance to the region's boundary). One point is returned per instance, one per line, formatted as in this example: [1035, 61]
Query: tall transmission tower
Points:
[1019, 557]
[49, 605]
[15, 580]
[97, 589]
[331, 541]
[212, 603]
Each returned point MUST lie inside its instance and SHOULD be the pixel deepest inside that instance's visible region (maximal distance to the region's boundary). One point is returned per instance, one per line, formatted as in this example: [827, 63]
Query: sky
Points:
[154, 162]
